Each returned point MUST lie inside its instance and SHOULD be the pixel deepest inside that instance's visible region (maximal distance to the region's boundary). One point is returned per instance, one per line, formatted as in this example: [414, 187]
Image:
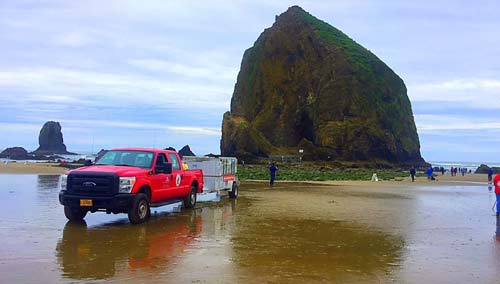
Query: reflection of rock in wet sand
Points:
[291, 235]
[48, 182]
[47, 186]
[301, 250]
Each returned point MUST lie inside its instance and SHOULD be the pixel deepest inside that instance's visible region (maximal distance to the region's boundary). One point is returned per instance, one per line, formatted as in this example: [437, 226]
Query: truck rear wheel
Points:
[140, 211]
[190, 200]
[74, 213]
[233, 193]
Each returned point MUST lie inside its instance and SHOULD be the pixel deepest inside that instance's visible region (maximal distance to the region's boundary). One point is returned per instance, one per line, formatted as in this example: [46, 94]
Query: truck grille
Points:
[93, 183]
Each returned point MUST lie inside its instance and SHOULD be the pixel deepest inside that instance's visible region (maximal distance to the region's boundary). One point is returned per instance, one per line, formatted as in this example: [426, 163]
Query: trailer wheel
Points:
[190, 200]
[74, 213]
[234, 191]
[140, 211]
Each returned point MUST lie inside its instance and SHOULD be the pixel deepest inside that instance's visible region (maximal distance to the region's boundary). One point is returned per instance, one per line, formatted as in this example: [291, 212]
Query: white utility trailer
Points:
[219, 174]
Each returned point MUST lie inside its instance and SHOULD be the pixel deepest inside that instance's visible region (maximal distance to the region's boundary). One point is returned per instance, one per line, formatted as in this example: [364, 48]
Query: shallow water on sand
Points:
[293, 233]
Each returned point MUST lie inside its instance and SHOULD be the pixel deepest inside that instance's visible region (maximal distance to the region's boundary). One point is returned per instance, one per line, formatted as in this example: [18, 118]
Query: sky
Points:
[162, 73]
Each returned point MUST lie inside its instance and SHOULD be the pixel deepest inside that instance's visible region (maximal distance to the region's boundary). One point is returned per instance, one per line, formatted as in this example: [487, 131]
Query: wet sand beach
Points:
[20, 167]
[388, 232]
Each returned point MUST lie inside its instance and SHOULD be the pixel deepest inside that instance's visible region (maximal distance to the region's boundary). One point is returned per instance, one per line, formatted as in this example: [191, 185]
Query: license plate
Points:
[85, 202]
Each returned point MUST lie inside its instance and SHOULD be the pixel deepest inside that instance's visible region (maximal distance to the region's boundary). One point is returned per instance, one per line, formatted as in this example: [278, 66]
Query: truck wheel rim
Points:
[142, 210]
[193, 197]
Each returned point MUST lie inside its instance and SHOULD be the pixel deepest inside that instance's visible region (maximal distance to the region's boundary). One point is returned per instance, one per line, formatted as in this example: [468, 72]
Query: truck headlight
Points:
[126, 184]
[64, 181]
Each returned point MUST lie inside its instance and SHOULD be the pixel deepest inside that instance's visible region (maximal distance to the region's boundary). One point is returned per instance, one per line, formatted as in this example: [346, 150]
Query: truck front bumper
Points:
[119, 203]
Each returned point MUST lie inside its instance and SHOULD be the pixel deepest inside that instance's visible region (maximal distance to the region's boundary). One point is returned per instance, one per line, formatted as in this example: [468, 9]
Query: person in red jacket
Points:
[496, 182]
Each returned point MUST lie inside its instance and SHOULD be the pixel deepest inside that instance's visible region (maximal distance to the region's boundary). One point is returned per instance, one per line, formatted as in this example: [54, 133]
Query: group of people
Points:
[462, 171]
[453, 171]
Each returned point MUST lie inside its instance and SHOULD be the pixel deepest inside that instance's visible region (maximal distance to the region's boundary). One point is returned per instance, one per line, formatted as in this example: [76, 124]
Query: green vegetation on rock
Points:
[308, 172]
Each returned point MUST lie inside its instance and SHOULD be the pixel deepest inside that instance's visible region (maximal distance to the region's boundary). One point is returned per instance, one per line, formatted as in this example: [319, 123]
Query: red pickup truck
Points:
[129, 180]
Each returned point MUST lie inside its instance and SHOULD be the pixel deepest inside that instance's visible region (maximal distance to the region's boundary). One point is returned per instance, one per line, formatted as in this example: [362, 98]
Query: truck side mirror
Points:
[168, 168]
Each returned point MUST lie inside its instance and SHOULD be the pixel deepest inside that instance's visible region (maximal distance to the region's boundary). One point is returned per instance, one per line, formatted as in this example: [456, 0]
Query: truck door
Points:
[160, 181]
[177, 181]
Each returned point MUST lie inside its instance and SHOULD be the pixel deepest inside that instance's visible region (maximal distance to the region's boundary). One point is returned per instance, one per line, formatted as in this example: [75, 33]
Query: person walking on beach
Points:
[442, 171]
[490, 175]
[413, 172]
[429, 173]
[496, 181]
[272, 173]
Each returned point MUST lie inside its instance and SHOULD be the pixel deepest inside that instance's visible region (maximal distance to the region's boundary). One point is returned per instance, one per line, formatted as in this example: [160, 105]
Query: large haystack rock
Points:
[306, 85]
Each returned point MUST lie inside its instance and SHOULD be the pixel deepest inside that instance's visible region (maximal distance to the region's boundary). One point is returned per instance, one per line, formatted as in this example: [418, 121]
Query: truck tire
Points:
[190, 200]
[74, 214]
[140, 211]
[233, 193]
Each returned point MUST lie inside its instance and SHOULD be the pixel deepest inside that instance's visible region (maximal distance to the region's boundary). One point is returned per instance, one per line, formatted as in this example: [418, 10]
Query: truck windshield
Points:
[127, 158]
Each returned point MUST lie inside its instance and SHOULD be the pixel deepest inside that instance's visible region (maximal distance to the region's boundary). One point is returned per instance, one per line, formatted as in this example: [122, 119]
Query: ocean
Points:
[468, 165]
[69, 158]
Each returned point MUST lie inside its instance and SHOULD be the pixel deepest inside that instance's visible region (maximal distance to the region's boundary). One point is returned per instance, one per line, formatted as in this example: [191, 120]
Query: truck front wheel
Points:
[74, 213]
[190, 200]
[140, 211]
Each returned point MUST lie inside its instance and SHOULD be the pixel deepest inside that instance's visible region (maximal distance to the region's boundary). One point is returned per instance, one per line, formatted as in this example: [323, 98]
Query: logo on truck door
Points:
[177, 180]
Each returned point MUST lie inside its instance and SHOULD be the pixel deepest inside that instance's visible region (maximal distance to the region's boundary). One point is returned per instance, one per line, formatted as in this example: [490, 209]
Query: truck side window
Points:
[175, 162]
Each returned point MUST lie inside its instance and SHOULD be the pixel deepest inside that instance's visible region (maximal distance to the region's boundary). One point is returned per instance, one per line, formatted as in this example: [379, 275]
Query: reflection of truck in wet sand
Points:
[131, 180]
[165, 248]
[104, 251]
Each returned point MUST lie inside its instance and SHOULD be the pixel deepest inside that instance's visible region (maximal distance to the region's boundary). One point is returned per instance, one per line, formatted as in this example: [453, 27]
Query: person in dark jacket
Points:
[490, 175]
[429, 173]
[272, 173]
[413, 172]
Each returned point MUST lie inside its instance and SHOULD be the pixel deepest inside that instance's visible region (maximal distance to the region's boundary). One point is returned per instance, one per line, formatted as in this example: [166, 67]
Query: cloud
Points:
[110, 124]
[463, 84]
[74, 39]
[208, 72]
[471, 93]
[437, 122]
[19, 127]
[65, 85]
